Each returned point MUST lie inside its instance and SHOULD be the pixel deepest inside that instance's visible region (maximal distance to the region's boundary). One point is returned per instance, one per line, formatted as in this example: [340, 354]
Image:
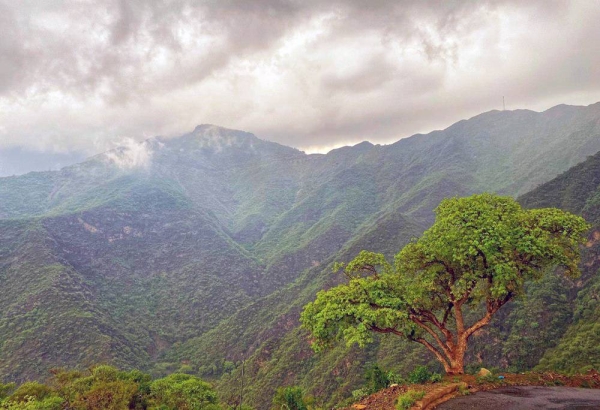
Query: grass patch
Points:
[408, 399]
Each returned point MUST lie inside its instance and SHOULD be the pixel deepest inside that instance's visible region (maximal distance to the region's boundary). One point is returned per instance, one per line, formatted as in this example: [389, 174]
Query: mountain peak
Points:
[211, 130]
[210, 138]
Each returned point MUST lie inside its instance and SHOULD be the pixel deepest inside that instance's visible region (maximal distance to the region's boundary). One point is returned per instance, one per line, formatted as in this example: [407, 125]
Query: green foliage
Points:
[420, 375]
[361, 393]
[481, 249]
[576, 190]
[33, 390]
[435, 378]
[490, 378]
[30, 403]
[182, 391]
[109, 395]
[463, 390]
[375, 378]
[575, 347]
[107, 388]
[407, 400]
[394, 378]
[6, 389]
[289, 398]
[578, 349]
[97, 261]
[103, 387]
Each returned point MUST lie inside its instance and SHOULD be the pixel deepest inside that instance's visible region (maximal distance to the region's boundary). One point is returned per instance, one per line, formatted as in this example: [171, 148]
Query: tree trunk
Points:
[456, 362]
[457, 366]
[452, 356]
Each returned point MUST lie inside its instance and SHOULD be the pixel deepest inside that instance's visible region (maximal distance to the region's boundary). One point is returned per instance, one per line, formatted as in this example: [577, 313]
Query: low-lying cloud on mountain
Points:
[130, 154]
[80, 76]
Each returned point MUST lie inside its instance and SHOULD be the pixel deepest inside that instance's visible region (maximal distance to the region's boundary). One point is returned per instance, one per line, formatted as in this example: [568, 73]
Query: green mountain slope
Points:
[48, 312]
[190, 252]
[285, 357]
[578, 190]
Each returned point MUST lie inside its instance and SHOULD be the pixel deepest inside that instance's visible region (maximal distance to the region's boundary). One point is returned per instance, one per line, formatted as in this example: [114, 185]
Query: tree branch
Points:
[447, 313]
[432, 318]
[477, 325]
[432, 349]
[460, 321]
[385, 330]
[492, 307]
[436, 337]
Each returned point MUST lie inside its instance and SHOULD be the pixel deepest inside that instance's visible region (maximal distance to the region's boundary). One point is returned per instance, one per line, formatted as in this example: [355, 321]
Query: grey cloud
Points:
[80, 75]
[12, 53]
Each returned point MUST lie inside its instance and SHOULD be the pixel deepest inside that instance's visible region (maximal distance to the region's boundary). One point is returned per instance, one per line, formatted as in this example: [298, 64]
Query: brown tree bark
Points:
[451, 351]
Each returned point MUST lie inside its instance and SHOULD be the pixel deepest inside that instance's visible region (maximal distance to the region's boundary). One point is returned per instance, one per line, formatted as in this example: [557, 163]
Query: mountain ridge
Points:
[167, 244]
[560, 108]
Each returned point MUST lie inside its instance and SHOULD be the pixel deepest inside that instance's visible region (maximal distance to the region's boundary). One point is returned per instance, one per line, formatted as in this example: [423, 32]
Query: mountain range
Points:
[197, 253]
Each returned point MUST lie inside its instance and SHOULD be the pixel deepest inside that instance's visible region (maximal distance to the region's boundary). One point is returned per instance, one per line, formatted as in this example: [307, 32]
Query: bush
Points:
[360, 393]
[376, 378]
[49, 403]
[419, 375]
[291, 397]
[395, 378]
[105, 373]
[108, 395]
[408, 399]
[490, 378]
[182, 391]
[108, 388]
[5, 390]
[30, 390]
[436, 378]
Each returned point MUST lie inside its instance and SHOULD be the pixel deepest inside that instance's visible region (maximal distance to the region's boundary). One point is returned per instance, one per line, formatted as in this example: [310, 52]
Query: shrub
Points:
[182, 391]
[435, 378]
[376, 378]
[419, 375]
[49, 403]
[291, 397]
[360, 393]
[408, 399]
[395, 378]
[108, 395]
[490, 378]
[30, 390]
[5, 390]
[105, 373]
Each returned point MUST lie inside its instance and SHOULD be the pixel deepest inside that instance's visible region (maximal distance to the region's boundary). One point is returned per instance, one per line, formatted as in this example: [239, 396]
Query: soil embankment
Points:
[586, 384]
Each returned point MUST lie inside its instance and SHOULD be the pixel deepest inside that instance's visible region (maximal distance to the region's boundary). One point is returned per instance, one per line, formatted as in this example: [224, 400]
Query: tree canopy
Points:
[478, 255]
[105, 387]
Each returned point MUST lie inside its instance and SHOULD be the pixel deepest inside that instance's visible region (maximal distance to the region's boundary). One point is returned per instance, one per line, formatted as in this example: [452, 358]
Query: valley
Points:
[197, 253]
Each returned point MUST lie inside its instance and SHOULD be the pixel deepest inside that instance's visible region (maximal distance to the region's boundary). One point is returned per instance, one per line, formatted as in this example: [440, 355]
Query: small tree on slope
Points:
[476, 257]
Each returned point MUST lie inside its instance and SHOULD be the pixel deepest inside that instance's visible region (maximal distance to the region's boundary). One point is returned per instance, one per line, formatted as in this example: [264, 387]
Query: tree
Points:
[104, 387]
[184, 392]
[290, 398]
[476, 258]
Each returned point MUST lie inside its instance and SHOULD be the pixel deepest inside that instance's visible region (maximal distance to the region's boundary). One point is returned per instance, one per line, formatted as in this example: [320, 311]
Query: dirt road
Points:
[527, 398]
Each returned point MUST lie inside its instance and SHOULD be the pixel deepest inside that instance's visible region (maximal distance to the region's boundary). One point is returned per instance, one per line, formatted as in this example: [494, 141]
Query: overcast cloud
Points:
[85, 75]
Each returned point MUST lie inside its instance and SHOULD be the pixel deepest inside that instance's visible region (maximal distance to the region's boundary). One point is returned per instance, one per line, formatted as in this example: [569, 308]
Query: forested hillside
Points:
[198, 252]
[577, 190]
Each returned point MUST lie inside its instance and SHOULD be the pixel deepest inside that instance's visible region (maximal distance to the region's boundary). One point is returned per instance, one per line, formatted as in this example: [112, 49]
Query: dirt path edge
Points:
[438, 396]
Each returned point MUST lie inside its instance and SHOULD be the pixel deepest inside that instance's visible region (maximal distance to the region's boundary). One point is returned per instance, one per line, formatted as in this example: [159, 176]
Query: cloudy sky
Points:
[85, 75]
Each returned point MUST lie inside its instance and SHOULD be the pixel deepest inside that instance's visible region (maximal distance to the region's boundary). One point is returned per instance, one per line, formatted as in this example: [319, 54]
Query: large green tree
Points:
[477, 257]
